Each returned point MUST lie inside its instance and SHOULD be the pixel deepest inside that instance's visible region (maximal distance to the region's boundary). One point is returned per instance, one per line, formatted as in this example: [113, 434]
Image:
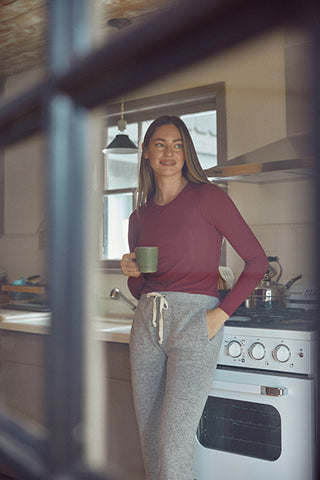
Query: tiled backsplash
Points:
[282, 217]
[20, 256]
[292, 244]
[104, 283]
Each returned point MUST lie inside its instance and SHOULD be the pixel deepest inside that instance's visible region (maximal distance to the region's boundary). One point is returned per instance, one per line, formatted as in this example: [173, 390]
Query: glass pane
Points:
[145, 125]
[203, 130]
[122, 169]
[244, 428]
[116, 211]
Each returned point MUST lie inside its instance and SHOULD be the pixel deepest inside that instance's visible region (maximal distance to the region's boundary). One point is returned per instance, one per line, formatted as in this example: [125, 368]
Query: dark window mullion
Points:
[67, 274]
[67, 173]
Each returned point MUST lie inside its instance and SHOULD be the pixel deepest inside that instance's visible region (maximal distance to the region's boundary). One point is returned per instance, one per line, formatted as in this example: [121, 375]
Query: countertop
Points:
[113, 328]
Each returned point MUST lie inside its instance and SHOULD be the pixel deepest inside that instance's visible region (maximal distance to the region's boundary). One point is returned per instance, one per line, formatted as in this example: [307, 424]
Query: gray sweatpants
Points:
[171, 379]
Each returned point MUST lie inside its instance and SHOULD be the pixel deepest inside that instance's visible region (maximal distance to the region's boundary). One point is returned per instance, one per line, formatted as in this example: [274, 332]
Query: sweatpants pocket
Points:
[204, 321]
[205, 325]
[198, 329]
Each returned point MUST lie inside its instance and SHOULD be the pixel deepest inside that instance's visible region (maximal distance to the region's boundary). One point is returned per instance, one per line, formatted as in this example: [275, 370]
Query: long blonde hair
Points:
[191, 170]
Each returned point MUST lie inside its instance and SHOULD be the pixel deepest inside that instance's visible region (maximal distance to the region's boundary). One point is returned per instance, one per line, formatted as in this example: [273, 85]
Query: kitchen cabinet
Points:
[23, 374]
[22, 380]
[123, 445]
[23, 377]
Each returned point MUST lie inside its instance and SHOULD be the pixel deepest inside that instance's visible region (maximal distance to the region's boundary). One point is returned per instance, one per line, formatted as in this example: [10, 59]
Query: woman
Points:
[177, 330]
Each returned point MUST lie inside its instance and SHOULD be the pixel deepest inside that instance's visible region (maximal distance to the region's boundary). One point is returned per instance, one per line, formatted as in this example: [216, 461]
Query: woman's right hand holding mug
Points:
[129, 265]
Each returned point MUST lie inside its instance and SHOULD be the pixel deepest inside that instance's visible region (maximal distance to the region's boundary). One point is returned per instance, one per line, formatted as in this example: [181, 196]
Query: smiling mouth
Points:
[167, 163]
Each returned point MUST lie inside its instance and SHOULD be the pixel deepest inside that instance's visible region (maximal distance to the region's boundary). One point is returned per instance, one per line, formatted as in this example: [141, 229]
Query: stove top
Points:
[290, 319]
[281, 341]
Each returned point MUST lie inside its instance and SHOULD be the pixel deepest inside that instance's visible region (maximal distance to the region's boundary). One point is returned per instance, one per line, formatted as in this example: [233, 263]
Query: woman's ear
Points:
[145, 152]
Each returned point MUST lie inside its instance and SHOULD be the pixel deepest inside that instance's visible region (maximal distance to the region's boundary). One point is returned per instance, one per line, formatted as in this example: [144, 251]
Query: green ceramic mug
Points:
[147, 259]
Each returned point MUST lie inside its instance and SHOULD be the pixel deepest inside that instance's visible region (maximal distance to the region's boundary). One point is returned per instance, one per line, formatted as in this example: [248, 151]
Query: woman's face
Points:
[165, 152]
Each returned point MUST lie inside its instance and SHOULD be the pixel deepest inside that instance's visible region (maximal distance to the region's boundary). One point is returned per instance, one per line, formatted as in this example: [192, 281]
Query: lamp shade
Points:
[121, 144]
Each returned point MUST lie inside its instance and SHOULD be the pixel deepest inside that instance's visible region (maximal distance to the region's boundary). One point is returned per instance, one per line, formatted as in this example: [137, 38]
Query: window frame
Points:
[113, 266]
[76, 82]
[180, 102]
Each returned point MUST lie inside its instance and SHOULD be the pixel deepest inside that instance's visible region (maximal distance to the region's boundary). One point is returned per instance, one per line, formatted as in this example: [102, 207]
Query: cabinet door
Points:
[23, 374]
[124, 457]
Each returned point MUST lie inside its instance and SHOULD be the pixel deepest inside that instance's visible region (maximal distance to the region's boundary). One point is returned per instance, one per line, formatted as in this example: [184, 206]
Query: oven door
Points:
[256, 425]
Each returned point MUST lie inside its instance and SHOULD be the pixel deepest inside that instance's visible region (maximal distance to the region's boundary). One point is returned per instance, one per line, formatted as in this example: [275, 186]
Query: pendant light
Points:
[121, 143]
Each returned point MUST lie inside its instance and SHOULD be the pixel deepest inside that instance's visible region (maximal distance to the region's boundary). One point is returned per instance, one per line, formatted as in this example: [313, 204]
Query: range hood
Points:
[284, 160]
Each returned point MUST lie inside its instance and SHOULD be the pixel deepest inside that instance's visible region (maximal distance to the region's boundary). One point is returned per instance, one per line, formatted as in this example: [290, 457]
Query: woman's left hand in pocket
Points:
[215, 320]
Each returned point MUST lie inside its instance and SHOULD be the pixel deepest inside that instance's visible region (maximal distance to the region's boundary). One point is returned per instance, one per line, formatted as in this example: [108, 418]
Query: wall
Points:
[254, 75]
[21, 254]
[282, 217]
[24, 189]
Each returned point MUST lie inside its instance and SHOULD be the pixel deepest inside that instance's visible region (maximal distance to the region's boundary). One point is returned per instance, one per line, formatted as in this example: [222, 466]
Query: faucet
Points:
[116, 294]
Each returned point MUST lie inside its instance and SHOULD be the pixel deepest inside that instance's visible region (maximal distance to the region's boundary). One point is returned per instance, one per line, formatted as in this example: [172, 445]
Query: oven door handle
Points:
[248, 388]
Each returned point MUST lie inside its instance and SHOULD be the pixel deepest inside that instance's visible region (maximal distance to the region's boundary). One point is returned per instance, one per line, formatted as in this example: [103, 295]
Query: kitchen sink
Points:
[116, 328]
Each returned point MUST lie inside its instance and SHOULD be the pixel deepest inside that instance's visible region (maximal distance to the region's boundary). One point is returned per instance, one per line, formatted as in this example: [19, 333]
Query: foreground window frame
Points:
[76, 83]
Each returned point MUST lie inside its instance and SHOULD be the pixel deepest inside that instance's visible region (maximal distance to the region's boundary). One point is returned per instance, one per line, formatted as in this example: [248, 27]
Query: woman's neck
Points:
[167, 190]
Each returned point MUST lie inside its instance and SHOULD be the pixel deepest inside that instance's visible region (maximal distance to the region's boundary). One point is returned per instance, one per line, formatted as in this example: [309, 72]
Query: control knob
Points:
[234, 349]
[281, 353]
[257, 351]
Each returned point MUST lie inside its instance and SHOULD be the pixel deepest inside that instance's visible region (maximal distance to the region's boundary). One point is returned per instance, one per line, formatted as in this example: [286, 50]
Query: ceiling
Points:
[24, 28]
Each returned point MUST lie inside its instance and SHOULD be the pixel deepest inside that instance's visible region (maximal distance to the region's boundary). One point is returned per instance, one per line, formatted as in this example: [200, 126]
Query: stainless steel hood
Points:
[285, 160]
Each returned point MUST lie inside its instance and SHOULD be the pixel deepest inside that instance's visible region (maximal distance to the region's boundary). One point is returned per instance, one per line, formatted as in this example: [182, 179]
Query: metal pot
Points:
[270, 294]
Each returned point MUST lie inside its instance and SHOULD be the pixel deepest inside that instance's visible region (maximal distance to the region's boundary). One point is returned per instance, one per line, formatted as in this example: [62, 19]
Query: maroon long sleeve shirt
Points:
[188, 232]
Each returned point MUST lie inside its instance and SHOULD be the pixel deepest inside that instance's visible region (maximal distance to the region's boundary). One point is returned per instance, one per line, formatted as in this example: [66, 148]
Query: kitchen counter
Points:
[115, 328]
[24, 376]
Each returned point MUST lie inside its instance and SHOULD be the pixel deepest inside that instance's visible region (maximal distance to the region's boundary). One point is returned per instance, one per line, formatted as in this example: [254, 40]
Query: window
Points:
[202, 109]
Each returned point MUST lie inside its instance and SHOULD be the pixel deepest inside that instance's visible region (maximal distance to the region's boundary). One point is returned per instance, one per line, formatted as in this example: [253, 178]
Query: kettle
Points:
[270, 294]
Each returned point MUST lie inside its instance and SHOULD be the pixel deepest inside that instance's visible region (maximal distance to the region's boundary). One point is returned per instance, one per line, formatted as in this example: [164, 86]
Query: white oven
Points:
[258, 421]
[256, 426]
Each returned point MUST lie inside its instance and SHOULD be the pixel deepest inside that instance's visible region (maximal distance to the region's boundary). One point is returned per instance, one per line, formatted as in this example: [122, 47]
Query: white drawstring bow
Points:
[163, 305]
